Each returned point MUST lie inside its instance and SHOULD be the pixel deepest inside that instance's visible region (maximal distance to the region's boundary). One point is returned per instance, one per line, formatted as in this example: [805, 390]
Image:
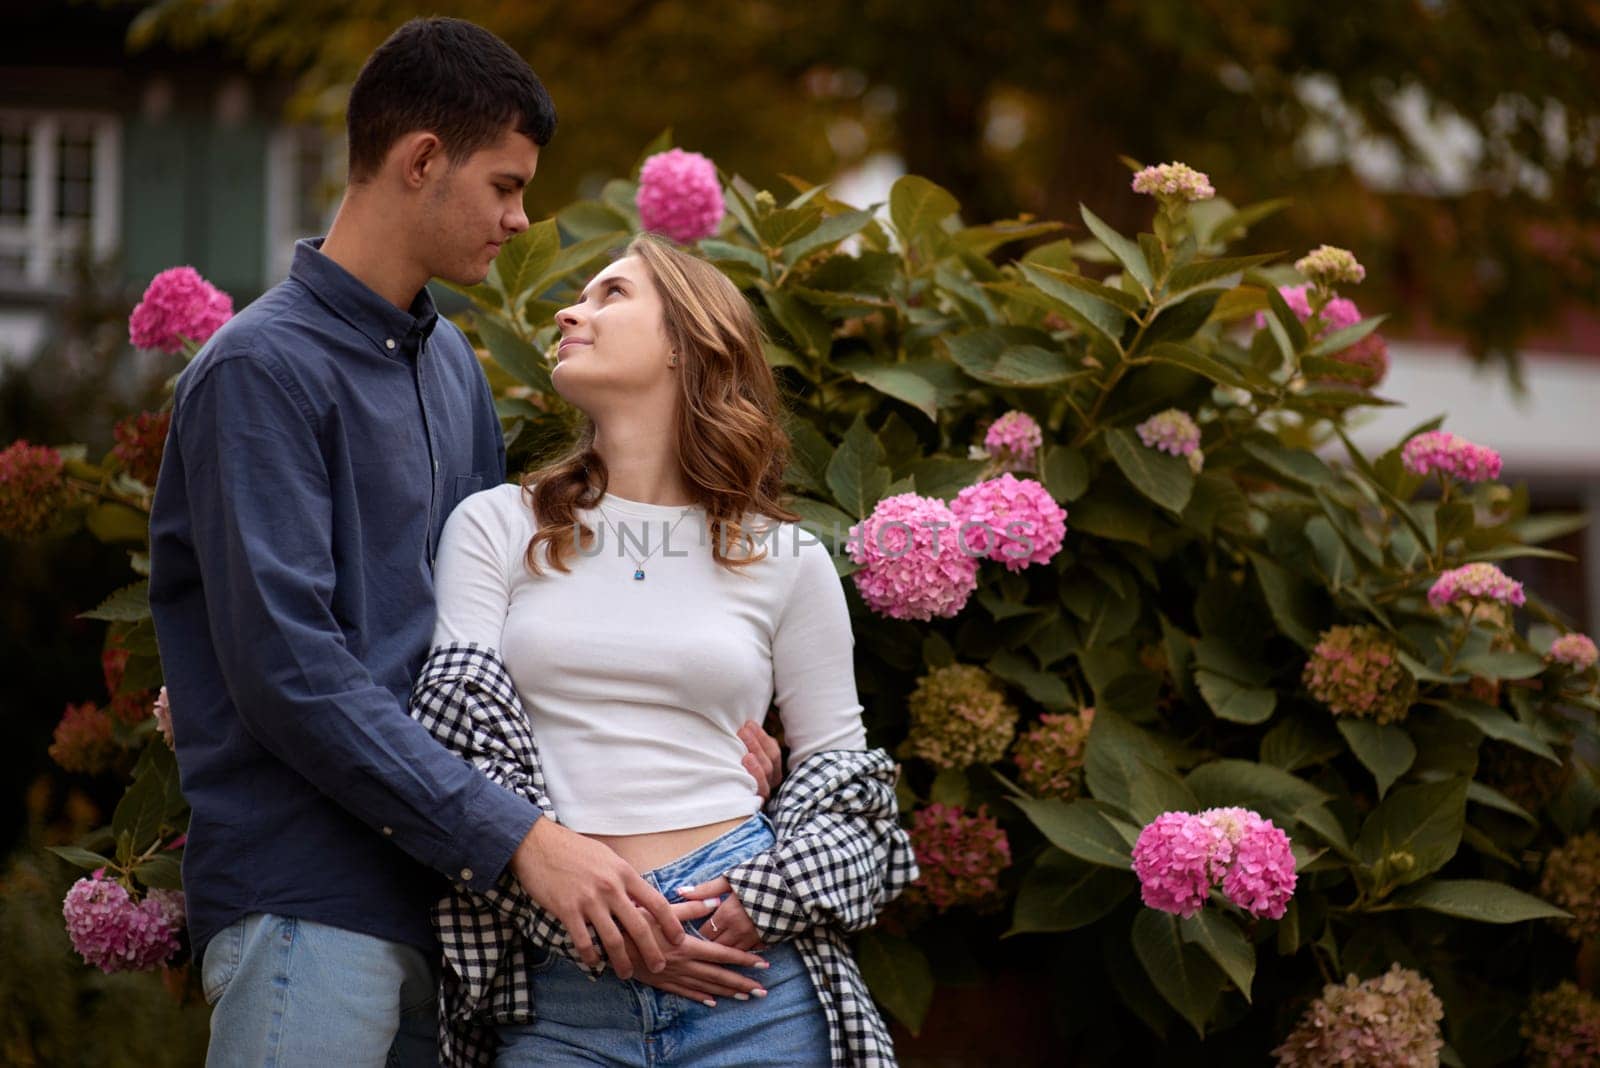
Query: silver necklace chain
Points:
[638, 562]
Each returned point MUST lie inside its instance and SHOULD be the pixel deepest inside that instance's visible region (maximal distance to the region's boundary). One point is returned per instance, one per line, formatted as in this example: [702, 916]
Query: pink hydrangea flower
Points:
[679, 195]
[1356, 671]
[1370, 354]
[1173, 859]
[1328, 266]
[1388, 1021]
[141, 439]
[83, 740]
[1174, 181]
[114, 933]
[162, 711]
[1173, 432]
[33, 487]
[1049, 757]
[1442, 451]
[1015, 437]
[1012, 520]
[912, 566]
[1475, 583]
[1179, 857]
[1576, 651]
[960, 856]
[178, 306]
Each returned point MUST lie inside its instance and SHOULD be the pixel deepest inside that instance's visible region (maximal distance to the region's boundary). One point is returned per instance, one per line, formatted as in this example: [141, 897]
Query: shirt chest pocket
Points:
[460, 488]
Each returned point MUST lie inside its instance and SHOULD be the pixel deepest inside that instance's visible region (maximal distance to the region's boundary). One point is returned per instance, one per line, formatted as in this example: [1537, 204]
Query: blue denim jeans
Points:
[624, 1023]
[289, 992]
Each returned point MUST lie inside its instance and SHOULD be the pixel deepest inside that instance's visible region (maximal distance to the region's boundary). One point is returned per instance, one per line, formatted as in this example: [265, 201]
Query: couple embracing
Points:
[476, 769]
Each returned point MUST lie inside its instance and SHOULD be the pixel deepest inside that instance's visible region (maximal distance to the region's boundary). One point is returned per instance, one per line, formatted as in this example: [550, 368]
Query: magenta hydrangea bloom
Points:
[1476, 584]
[1576, 651]
[679, 195]
[912, 566]
[1173, 859]
[33, 487]
[1012, 520]
[960, 856]
[1179, 857]
[178, 306]
[1370, 354]
[115, 933]
[1015, 437]
[1175, 433]
[1442, 451]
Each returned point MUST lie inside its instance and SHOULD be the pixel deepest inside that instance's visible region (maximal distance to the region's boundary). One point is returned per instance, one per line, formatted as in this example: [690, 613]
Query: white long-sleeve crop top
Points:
[635, 688]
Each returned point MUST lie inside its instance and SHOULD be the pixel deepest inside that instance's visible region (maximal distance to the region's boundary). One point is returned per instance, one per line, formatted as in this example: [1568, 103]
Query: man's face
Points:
[476, 206]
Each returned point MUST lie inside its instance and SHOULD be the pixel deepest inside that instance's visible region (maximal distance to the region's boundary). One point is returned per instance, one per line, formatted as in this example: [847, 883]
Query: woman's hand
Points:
[699, 969]
[764, 760]
[729, 925]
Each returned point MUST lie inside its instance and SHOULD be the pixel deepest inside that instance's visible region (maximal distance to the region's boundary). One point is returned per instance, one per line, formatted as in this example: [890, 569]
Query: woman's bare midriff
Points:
[646, 852]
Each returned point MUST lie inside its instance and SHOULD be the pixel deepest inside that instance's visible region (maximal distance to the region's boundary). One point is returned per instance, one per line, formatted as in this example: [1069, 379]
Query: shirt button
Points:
[466, 875]
[388, 832]
[388, 342]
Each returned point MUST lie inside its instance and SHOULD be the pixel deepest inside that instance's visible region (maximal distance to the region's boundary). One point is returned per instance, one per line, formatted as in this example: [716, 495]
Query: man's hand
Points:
[764, 761]
[703, 970]
[583, 883]
[729, 924]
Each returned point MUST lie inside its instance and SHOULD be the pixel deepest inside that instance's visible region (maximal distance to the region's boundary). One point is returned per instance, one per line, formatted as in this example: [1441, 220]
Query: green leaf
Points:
[902, 381]
[1269, 790]
[1167, 480]
[526, 257]
[779, 227]
[1183, 974]
[577, 256]
[1295, 464]
[1124, 768]
[1235, 701]
[1108, 512]
[1094, 309]
[856, 474]
[1225, 944]
[1341, 339]
[1292, 601]
[1208, 366]
[518, 357]
[113, 522]
[823, 520]
[995, 356]
[918, 206]
[1498, 724]
[1478, 899]
[1508, 664]
[160, 872]
[1178, 321]
[898, 974]
[1386, 750]
[1237, 224]
[1126, 252]
[83, 858]
[831, 231]
[1290, 323]
[803, 322]
[1043, 686]
[808, 460]
[1079, 828]
[942, 477]
[1065, 472]
[1420, 826]
[950, 787]
[1489, 797]
[1294, 743]
[1061, 893]
[143, 809]
[589, 218]
[1198, 274]
[128, 605]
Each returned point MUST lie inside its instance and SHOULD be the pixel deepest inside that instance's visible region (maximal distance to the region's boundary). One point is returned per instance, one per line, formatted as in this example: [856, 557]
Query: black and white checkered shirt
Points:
[839, 858]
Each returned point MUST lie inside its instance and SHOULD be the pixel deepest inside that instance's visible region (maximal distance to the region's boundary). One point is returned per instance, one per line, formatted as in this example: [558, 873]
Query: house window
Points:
[60, 189]
[305, 175]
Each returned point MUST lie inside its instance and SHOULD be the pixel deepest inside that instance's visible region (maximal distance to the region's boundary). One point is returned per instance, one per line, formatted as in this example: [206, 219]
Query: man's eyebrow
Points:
[510, 176]
[620, 280]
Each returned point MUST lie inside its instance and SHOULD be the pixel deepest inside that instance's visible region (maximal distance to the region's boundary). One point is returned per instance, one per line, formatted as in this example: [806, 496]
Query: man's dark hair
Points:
[450, 78]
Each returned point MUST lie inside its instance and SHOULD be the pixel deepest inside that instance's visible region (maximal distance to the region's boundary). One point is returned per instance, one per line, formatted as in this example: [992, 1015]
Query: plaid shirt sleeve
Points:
[840, 854]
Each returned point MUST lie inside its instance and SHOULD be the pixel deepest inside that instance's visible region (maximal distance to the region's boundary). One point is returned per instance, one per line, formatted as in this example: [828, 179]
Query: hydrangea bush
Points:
[1204, 714]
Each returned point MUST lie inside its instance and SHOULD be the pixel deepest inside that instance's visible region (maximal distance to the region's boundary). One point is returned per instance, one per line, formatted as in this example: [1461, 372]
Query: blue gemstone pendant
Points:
[639, 574]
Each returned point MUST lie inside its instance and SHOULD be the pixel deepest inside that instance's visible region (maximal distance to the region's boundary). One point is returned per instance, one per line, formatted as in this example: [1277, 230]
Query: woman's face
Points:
[613, 343]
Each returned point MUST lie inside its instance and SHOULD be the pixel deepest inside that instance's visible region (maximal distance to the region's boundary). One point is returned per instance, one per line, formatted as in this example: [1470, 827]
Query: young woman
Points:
[636, 603]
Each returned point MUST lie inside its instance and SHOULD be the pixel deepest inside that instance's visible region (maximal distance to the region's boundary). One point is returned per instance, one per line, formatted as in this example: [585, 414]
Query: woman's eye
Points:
[613, 288]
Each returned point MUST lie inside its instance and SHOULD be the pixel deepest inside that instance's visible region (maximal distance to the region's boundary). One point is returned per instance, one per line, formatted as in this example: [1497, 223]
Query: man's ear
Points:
[418, 156]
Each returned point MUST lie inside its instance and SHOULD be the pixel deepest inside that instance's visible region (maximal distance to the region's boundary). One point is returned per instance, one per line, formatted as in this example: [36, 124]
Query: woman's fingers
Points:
[691, 911]
[715, 888]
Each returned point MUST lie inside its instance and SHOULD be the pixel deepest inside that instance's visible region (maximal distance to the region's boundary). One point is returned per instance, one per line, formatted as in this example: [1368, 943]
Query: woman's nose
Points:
[567, 317]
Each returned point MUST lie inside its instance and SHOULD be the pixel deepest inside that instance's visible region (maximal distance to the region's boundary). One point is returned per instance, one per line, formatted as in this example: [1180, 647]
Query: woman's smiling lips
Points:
[566, 341]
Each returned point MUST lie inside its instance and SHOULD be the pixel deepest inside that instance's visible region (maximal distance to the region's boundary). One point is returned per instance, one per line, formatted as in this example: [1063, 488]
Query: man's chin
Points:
[468, 277]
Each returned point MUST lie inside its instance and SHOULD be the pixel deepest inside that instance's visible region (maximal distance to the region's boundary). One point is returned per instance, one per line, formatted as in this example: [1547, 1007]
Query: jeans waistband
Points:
[715, 857]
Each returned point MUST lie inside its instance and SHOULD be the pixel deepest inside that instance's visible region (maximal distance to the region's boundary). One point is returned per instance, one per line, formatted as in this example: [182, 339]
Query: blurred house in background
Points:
[149, 160]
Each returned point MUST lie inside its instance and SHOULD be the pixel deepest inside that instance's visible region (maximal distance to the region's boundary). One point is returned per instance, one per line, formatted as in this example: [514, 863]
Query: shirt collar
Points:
[355, 302]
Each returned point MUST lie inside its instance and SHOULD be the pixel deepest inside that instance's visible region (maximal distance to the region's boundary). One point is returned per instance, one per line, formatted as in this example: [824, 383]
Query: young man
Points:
[317, 445]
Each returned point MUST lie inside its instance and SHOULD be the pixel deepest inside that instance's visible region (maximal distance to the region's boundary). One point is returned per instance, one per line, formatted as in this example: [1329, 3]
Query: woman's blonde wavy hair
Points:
[731, 442]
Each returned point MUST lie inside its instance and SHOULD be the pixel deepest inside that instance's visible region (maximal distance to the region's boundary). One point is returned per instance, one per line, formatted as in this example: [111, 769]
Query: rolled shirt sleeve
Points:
[262, 512]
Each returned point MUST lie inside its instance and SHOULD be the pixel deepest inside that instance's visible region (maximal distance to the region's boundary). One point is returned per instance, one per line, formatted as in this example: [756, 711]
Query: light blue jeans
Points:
[287, 992]
[626, 1024]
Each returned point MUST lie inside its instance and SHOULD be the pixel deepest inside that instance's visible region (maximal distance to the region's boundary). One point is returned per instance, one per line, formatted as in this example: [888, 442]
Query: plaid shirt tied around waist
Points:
[839, 858]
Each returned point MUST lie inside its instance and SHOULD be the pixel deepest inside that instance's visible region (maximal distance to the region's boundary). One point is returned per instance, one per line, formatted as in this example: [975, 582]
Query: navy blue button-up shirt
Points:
[318, 443]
